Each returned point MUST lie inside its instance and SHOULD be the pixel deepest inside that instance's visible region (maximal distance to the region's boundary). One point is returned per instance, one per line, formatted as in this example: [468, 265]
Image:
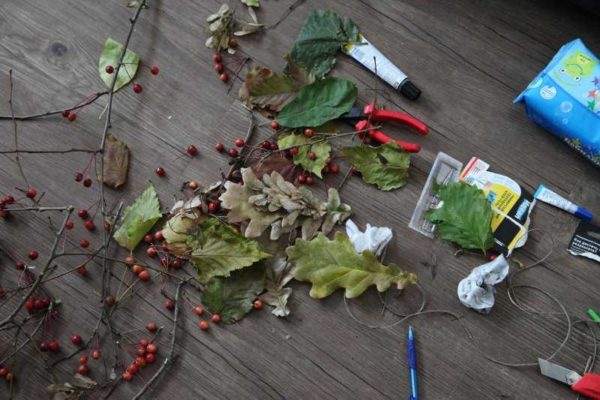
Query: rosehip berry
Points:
[9, 199]
[169, 305]
[137, 269]
[148, 238]
[19, 265]
[44, 345]
[164, 261]
[154, 70]
[326, 169]
[33, 255]
[150, 358]
[192, 150]
[294, 151]
[84, 243]
[144, 343]
[160, 171]
[151, 251]
[96, 354]
[239, 142]
[274, 146]
[132, 369]
[217, 58]
[83, 214]
[81, 270]
[89, 225]
[312, 155]
[109, 301]
[335, 169]
[127, 377]
[233, 153]
[66, 113]
[275, 125]
[144, 276]
[137, 88]
[70, 225]
[29, 305]
[129, 260]
[310, 180]
[87, 182]
[301, 179]
[76, 340]
[258, 305]
[72, 117]
[198, 310]
[219, 68]
[216, 318]
[78, 176]
[109, 69]
[213, 206]
[203, 325]
[158, 235]
[83, 370]
[308, 132]
[31, 193]
[224, 77]
[176, 263]
[53, 346]
[151, 327]
[83, 359]
[152, 348]
[38, 304]
[219, 147]
[140, 362]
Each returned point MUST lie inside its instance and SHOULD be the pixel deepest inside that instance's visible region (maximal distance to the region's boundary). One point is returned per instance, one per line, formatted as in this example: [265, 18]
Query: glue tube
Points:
[548, 196]
[368, 55]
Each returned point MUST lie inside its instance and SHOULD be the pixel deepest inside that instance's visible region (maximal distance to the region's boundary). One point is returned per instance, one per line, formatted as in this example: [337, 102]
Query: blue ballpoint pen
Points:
[412, 364]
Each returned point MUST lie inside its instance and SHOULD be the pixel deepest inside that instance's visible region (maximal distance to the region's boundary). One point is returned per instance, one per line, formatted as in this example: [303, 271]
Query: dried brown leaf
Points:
[116, 162]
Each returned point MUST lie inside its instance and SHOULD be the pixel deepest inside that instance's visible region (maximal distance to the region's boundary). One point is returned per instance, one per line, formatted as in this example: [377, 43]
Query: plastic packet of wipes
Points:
[565, 99]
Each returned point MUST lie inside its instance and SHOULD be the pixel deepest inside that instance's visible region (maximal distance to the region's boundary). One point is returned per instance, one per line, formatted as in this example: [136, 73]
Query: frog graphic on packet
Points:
[575, 67]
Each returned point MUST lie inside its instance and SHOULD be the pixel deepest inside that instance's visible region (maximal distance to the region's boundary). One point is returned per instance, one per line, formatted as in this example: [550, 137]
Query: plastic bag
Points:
[565, 99]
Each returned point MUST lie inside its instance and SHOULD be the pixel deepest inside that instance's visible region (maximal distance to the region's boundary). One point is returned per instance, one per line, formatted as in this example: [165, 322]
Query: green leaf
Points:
[321, 37]
[265, 89]
[218, 250]
[385, 166]
[251, 3]
[318, 103]
[332, 264]
[322, 149]
[232, 298]
[465, 216]
[138, 219]
[110, 56]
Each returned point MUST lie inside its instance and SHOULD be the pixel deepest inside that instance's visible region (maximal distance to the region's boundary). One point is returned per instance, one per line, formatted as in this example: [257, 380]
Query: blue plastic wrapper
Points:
[565, 99]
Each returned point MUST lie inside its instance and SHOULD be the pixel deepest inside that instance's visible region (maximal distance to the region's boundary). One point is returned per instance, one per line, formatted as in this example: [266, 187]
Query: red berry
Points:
[84, 243]
[160, 171]
[66, 113]
[8, 377]
[132, 369]
[335, 169]
[106, 227]
[83, 359]
[301, 179]
[38, 304]
[176, 263]
[70, 225]
[31, 193]
[239, 142]
[137, 269]
[151, 251]
[274, 146]
[9, 199]
[258, 305]
[137, 88]
[140, 362]
[158, 235]
[154, 70]
[219, 147]
[152, 327]
[203, 325]
[127, 376]
[308, 132]
[219, 68]
[169, 305]
[33, 255]
[312, 155]
[266, 145]
[83, 370]
[76, 340]
[144, 276]
[150, 358]
[148, 238]
[152, 348]
[44, 345]
[213, 206]
[109, 301]
[140, 351]
[78, 176]
[89, 225]
[198, 310]
[19, 265]
[96, 354]
[224, 77]
[326, 169]
[310, 180]
[72, 117]
[217, 57]
[233, 152]
[274, 125]
[87, 182]
[192, 150]
[144, 343]
[29, 304]
[294, 151]
[129, 260]
[216, 318]
[53, 346]
[83, 214]
[164, 261]
[109, 69]
[81, 270]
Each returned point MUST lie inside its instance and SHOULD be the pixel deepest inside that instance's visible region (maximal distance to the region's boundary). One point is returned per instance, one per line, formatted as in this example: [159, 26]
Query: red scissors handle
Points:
[382, 138]
[588, 385]
[377, 114]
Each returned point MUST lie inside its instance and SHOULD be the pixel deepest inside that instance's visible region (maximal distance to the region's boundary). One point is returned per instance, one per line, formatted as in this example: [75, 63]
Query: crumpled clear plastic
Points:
[477, 290]
[373, 238]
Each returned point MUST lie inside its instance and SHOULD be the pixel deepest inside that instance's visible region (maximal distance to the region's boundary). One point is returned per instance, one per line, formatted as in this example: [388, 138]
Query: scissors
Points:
[362, 117]
[587, 385]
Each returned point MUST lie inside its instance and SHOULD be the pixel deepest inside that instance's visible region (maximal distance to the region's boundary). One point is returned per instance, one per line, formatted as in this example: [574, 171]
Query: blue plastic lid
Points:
[584, 214]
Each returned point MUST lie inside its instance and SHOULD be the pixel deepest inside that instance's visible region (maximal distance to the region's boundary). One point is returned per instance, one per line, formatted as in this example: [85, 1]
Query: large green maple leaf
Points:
[332, 264]
[385, 166]
[465, 216]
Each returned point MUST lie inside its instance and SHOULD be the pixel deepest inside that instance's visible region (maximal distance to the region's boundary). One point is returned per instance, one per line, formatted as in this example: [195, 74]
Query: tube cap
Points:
[584, 214]
[409, 90]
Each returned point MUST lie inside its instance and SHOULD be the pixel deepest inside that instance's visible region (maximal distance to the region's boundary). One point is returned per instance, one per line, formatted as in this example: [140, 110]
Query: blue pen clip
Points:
[412, 364]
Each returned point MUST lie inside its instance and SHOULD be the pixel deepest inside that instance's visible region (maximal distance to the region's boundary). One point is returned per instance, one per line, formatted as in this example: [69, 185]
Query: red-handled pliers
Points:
[362, 117]
[587, 385]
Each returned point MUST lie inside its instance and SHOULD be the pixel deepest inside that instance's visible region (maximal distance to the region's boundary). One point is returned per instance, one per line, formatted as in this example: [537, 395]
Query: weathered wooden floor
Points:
[470, 58]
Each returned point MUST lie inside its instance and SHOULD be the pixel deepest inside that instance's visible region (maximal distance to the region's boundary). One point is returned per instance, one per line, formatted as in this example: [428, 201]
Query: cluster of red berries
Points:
[220, 68]
[86, 181]
[137, 88]
[3, 203]
[71, 115]
[203, 324]
[6, 374]
[88, 224]
[51, 346]
[83, 362]
[145, 354]
[233, 152]
[34, 304]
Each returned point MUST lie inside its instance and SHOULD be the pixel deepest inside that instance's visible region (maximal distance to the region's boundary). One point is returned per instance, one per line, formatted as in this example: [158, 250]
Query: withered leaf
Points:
[116, 162]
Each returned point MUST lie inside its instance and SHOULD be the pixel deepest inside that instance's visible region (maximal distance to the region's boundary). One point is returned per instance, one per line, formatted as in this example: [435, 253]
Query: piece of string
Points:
[513, 298]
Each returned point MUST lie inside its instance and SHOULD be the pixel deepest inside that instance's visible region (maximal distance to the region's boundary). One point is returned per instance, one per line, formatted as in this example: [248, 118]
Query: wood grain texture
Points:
[469, 58]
